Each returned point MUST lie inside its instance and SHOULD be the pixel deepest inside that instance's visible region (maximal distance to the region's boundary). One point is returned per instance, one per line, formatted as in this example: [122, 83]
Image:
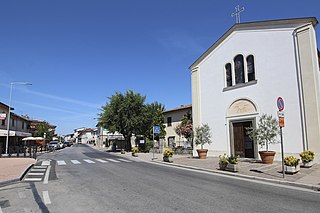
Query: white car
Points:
[60, 145]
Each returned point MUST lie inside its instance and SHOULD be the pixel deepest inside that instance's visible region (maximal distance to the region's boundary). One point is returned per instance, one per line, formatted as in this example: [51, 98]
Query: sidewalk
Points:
[251, 169]
[12, 169]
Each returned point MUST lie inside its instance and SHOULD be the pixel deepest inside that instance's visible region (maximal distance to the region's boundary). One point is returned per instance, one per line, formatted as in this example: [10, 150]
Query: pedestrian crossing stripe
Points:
[124, 160]
[35, 174]
[88, 161]
[75, 162]
[101, 161]
[61, 162]
[112, 160]
[33, 179]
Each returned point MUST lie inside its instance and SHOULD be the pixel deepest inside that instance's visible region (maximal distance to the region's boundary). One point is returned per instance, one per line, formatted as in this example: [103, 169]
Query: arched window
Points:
[239, 69]
[250, 68]
[228, 75]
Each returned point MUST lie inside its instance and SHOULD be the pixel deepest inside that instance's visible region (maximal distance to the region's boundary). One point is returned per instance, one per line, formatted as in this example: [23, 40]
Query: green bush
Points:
[291, 161]
[307, 156]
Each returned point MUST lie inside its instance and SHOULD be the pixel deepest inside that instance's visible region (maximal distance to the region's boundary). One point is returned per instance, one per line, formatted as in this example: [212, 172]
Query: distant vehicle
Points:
[67, 143]
[53, 145]
[60, 145]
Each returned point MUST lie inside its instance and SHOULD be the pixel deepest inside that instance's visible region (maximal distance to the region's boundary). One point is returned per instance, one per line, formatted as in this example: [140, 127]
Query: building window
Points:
[250, 68]
[228, 75]
[169, 121]
[3, 122]
[239, 69]
[12, 123]
[22, 125]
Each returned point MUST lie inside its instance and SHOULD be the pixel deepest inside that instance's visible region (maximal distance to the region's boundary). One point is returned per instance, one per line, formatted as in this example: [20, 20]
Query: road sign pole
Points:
[283, 172]
[153, 144]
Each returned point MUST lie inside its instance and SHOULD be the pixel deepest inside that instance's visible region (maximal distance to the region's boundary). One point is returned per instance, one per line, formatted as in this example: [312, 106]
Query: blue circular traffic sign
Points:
[280, 104]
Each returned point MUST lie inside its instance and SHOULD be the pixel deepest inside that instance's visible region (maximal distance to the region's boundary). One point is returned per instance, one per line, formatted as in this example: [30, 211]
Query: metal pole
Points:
[153, 143]
[8, 123]
[283, 172]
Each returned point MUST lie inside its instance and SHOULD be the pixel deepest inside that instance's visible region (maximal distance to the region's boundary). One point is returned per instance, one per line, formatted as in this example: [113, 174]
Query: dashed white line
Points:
[61, 162]
[46, 198]
[88, 161]
[75, 162]
[46, 177]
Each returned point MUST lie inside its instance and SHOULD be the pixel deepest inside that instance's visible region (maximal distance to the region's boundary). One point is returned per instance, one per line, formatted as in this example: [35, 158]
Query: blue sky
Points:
[77, 53]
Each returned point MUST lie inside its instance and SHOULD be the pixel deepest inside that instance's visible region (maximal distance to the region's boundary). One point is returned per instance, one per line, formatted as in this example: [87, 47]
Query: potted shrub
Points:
[307, 158]
[135, 151]
[264, 134]
[122, 151]
[232, 163]
[291, 164]
[223, 161]
[167, 155]
[202, 136]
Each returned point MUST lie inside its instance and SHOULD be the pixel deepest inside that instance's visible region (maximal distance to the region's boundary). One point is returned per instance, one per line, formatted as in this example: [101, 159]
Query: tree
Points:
[42, 128]
[185, 128]
[124, 113]
[154, 117]
[267, 131]
[203, 135]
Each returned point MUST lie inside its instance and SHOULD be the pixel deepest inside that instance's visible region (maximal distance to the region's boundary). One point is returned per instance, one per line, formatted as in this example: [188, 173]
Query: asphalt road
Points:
[83, 179]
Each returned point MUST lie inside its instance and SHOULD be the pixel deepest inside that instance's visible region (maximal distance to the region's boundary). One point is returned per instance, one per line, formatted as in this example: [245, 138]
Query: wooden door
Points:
[238, 135]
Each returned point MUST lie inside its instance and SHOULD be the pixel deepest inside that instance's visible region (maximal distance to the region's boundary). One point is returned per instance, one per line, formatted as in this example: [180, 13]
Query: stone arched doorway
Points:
[242, 113]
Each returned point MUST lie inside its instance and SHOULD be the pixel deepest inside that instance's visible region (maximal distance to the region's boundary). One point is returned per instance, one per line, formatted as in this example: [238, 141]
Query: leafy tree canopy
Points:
[42, 128]
[128, 114]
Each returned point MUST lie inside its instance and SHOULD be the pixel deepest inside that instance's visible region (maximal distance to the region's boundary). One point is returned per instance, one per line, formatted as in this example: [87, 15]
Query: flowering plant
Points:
[168, 152]
[307, 156]
[291, 161]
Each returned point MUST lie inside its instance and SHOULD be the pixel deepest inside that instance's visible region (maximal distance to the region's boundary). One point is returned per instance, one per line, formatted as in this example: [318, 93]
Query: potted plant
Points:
[291, 164]
[232, 163]
[264, 134]
[223, 161]
[202, 136]
[167, 155]
[135, 151]
[307, 158]
[122, 151]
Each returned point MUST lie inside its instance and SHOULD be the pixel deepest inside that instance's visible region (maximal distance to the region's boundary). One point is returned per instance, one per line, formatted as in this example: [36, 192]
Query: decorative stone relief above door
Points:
[241, 107]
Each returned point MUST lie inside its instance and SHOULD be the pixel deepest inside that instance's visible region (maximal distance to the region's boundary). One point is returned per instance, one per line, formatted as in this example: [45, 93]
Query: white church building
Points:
[242, 74]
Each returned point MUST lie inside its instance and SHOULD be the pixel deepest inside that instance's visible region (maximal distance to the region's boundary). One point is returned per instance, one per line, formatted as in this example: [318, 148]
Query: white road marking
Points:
[112, 160]
[1, 210]
[40, 167]
[45, 163]
[61, 162]
[102, 161]
[124, 160]
[75, 162]
[88, 161]
[46, 198]
[27, 210]
[38, 170]
[35, 174]
[32, 179]
[46, 177]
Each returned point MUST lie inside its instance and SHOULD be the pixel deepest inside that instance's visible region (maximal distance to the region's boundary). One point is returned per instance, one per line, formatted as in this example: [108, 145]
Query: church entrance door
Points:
[243, 145]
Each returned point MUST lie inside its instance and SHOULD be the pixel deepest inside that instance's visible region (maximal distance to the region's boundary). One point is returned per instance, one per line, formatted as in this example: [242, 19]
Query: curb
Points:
[280, 182]
[8, 182]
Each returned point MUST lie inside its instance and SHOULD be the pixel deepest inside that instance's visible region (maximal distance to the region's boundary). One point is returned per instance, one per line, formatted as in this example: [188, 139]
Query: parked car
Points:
[67, 144]
[53, 145]
[60, 145]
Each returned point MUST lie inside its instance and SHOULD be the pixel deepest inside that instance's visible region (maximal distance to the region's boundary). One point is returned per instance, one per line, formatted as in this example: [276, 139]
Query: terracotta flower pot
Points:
[202, 153]
[267, 156]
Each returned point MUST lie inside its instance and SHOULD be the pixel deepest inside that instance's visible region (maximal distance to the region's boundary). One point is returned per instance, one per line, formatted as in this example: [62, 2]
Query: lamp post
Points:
[8, 123]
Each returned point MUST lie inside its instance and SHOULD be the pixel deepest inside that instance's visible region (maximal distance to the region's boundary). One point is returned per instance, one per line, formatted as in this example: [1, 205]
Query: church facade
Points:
[242, 74]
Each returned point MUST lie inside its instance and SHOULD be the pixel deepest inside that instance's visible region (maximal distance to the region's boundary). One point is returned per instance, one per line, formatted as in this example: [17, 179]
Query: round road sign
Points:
[280, 104]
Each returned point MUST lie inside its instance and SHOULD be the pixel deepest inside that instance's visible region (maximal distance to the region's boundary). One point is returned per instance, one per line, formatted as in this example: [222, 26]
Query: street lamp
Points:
[8, 123]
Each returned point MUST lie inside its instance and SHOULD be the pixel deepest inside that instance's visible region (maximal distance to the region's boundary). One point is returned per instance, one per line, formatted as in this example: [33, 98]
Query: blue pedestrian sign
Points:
[280, 104]
[156, 129]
